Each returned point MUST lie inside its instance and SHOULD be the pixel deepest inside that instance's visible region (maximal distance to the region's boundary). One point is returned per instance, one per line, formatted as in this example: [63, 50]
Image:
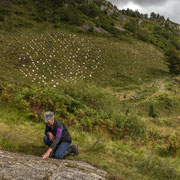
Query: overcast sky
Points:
[167, 8]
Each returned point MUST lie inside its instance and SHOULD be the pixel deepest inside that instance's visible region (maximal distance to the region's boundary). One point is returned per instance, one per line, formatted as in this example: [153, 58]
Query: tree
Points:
[146, 16]
[153, 15]
[173, 61]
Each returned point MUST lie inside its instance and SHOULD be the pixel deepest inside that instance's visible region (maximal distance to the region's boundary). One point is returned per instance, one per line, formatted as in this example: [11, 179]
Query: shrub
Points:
[132, 26]
[1, 17]
[129, 125]
[86, 106]
[71, 16]
[151, 111]
[170, 149]
[143, 34]
[90, 10]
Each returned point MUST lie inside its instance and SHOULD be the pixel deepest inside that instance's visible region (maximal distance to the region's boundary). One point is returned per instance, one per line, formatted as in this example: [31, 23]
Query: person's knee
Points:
[59, 155]
[45, 139]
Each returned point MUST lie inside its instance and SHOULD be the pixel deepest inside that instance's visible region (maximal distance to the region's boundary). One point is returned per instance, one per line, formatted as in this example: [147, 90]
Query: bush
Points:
[90, 10]
[71, 16]
[1, 17]
[151, 111]
[170, 149]
[84, 106]
[129, 125]
[143, 34]
[132, 26]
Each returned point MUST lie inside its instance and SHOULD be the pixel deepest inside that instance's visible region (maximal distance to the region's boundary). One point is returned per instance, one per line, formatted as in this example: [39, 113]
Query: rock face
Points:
[14, 166]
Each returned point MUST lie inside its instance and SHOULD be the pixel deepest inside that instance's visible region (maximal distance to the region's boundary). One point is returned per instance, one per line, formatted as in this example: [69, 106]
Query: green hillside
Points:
[90, 16]
[63, 56]
[113, 88]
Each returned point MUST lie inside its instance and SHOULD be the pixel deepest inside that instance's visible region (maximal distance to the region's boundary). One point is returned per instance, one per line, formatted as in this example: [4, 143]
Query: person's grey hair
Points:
[48, 116]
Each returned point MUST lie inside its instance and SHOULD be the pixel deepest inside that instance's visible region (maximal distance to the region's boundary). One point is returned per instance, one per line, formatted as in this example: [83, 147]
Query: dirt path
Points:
[161, 88]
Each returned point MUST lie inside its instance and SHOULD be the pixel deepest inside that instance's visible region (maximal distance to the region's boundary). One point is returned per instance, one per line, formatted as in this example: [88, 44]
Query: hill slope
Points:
[92, 16]
[112, 90]
[55, 56]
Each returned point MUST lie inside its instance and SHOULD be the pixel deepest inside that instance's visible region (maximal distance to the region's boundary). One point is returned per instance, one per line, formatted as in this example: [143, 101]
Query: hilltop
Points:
[92, 16]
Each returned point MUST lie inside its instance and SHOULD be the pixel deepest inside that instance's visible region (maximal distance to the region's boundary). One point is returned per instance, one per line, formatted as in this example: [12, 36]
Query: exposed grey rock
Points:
[122, 18]
[85, 27]
[15, 166]
[140, 22]
[103, 8]
[110, 12]
[120, 28]
[99, 29]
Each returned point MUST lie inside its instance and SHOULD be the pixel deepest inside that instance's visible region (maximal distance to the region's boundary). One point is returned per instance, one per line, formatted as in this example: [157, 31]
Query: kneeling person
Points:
[57, 138]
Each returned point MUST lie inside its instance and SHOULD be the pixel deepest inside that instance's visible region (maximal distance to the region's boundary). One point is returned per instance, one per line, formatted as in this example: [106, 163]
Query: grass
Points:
[122, 158]
[113, 133]
[106, 61]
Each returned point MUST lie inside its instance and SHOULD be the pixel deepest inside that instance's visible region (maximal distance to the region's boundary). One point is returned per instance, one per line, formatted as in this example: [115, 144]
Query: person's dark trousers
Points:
[61, 149]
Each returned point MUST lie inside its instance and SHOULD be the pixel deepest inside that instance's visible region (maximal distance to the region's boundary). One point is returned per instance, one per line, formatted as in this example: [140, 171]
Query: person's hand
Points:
[51, 136]
[45, 155]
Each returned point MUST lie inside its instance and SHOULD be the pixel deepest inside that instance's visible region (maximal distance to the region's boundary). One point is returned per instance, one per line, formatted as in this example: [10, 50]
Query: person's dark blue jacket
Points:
[60, 132]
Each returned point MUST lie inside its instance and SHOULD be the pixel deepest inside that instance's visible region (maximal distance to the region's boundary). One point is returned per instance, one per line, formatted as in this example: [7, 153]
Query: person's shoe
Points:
[68, 151]
[75, 150]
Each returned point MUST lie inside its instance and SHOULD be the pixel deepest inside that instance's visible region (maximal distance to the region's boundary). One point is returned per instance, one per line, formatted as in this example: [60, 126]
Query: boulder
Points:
[17, 166]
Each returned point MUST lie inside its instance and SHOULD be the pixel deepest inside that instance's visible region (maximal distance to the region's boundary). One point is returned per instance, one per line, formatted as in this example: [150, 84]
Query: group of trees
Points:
[130, 12]
[157, 16]
[137, 14]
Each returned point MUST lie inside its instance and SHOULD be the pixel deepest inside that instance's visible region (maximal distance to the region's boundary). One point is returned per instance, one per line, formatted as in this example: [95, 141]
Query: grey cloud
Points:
[140, 2]
[148, 2]
[168, 8]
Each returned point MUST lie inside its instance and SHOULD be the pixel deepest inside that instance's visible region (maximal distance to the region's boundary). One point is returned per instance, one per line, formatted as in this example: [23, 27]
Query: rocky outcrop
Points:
[87, 27]
[15, 166]
[100, 30]
[140, 22]
[122, 18]
[120, 28]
